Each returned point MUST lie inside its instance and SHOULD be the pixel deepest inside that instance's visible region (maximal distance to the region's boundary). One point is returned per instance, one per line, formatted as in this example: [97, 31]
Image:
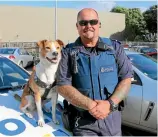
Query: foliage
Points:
[150, 16]
[139, 25]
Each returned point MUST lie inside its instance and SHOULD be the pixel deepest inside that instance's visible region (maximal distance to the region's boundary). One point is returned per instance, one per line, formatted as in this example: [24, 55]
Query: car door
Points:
[149, 105]
[132, 112]
[23, 57]
[29, 56]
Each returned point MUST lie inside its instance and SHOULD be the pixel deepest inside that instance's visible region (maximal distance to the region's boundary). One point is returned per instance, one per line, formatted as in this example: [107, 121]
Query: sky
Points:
[99, 5]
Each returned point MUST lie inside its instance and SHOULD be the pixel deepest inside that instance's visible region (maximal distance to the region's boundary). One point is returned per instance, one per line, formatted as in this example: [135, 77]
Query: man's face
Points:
[88, 30]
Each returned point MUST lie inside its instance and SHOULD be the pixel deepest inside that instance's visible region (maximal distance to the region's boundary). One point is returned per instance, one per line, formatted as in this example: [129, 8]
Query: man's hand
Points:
[101, 110]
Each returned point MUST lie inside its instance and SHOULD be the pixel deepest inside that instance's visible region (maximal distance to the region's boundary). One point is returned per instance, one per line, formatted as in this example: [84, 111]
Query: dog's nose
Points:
[55, 53]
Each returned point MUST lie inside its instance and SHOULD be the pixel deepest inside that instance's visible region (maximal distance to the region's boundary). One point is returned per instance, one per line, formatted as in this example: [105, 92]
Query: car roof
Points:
[139, 46]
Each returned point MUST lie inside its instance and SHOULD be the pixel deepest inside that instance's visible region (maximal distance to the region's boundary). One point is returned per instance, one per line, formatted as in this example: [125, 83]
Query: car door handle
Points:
[149, 111]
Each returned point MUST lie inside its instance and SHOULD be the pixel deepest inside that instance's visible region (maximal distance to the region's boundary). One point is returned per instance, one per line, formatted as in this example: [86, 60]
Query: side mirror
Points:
[133, 81]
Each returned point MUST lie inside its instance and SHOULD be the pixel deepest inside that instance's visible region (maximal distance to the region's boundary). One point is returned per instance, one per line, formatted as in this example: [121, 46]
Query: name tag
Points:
[107, 69]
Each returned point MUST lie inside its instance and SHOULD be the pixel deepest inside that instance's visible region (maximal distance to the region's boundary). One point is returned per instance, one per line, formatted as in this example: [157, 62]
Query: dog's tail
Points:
[17, 97]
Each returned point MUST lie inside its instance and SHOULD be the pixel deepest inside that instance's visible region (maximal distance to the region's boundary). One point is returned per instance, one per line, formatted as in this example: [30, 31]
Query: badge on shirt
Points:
[107, 69]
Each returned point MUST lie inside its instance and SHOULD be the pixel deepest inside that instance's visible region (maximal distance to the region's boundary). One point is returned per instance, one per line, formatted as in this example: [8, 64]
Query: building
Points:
[30, 24]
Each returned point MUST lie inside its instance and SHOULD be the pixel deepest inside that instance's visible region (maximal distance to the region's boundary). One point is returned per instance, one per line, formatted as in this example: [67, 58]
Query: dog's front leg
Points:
[54, 102]
[39, 109]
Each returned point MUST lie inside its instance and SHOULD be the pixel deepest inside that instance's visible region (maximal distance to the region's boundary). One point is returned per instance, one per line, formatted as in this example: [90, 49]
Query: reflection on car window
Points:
[145, 64]
[146, 50]
[11, 73]
[7, 51]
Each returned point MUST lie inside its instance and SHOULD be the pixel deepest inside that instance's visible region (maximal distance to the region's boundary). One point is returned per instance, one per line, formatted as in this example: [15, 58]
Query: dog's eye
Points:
[58, 47]
[47, 47]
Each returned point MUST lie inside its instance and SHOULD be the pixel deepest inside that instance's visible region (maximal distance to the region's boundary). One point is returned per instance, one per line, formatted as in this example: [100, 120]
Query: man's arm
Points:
[121, 91]
[125, 74]
[75, 97]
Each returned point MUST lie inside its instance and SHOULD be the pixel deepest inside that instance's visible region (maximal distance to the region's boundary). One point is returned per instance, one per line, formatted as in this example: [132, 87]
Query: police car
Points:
[12, 121]
[140, 111]
[141, 104]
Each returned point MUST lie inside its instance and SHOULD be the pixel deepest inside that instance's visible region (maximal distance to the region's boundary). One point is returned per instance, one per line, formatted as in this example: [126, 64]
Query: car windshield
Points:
[7, 51]
[146, 64]
[11, 75]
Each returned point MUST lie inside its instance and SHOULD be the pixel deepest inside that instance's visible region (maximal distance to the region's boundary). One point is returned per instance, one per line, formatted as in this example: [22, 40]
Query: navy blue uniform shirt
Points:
[64, 73]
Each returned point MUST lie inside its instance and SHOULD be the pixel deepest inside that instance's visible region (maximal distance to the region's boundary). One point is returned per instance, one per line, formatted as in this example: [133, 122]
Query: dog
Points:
[41, 87]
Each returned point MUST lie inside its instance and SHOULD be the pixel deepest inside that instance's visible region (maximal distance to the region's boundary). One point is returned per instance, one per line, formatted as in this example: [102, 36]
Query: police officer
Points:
[94, 75]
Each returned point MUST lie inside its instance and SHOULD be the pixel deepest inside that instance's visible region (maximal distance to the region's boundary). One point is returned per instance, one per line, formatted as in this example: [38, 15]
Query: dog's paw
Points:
[29, 115]
[56, 122]
[41, 122]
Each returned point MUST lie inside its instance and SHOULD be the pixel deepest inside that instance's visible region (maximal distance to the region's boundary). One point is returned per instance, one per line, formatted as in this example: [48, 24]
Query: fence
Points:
[32, 48]
[150, 44]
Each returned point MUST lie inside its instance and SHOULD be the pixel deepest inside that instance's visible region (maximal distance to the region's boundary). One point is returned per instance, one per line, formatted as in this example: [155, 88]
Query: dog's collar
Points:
[41, 83]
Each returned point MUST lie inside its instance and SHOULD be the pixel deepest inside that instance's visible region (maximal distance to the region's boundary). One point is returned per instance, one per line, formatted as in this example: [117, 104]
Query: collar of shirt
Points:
[88, 50]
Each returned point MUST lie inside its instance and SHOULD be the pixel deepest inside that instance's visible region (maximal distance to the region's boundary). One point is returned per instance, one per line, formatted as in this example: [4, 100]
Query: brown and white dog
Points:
[42, 78]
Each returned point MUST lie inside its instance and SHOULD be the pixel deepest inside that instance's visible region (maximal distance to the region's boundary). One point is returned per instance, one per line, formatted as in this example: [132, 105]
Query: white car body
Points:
[13, 122]
[140, 111]
[18, 55]
[141, 104]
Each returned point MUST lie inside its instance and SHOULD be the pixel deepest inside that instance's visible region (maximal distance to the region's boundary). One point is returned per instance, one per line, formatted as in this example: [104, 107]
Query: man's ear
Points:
[100, 25]
[76, 25]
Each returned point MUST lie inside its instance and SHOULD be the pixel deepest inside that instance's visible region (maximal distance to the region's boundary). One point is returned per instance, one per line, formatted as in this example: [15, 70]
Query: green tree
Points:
[135, 23]
[150, 16]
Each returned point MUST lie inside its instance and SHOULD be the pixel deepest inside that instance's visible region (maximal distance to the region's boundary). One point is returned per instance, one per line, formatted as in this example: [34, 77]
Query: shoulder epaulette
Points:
[70, 45]
[116, 40]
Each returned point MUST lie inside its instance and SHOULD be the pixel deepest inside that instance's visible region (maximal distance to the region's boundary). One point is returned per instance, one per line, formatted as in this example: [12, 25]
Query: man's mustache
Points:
[88, 30]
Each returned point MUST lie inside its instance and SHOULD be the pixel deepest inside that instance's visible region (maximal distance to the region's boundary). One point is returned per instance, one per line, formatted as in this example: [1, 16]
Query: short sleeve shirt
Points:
[64, 72]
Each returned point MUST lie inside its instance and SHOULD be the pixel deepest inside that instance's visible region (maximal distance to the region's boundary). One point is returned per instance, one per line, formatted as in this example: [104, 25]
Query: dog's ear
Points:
[41, 43]
[60, 42]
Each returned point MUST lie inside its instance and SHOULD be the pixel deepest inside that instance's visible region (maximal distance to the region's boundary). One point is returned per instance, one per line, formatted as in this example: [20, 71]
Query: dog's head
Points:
[50, 50]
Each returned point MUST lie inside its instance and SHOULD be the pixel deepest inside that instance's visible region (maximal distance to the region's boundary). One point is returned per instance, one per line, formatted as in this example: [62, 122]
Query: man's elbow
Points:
[127, 81]
[59, 88]
[62, 88]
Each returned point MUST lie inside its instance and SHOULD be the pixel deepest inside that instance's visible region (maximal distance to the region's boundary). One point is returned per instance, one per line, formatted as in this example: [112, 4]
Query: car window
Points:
[18, 51]
[26, 53]
[146, 64]
[146, 50]
[7, 51]
[23, 52]
[11, 74]
[137, 78]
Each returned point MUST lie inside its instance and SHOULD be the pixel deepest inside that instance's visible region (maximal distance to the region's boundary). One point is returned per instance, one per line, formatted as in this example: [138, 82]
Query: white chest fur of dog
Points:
[45, 71]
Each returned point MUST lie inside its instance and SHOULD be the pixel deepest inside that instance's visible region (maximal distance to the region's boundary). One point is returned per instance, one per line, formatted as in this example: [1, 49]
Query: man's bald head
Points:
[86, 10]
